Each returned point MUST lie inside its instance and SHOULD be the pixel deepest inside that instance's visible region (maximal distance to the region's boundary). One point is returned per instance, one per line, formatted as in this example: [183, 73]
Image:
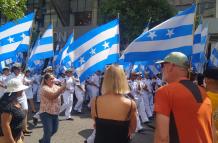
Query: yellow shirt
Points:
[214, 99]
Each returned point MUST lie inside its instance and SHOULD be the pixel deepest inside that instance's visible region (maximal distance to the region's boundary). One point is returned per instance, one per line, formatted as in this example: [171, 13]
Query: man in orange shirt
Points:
[183, 109]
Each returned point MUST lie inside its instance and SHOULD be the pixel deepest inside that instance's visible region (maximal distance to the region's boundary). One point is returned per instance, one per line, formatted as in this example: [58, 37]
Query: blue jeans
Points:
[50, 126]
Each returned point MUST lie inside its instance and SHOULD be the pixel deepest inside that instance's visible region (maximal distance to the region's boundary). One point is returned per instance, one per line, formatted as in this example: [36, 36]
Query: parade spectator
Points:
[113, 113]
[183, 109]
[50, 106]
[16, 73]
[12, 115]
[211, 79]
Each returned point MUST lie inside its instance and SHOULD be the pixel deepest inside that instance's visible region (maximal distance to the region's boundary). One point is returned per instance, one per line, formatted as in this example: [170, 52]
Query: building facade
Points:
[67, 16]
[207, 8]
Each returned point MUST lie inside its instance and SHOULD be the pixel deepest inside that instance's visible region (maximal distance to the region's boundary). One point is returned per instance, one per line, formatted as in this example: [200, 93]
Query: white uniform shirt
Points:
[96, 80]
[3, 79]
[148, 83]
[70, 85]
[29, 82]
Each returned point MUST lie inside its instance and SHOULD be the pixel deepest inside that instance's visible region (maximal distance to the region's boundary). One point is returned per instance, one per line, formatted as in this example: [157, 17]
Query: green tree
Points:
[12, 9]
[134, 14]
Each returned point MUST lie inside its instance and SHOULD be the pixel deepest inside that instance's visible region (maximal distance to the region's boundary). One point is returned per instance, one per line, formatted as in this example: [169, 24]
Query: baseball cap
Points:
[17, 65]
[49, 68]
[211, 72]
[176, 58]
[69, 70]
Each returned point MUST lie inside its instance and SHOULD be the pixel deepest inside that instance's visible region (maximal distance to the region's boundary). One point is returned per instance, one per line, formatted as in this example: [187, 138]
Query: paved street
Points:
[78, 130]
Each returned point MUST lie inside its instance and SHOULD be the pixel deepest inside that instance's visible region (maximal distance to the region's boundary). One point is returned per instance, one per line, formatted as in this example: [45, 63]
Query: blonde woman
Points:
[50, 106]
[113, 113]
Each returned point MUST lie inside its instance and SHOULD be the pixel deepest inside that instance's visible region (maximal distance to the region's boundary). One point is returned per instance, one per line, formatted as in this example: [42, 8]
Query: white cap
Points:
[15, 85]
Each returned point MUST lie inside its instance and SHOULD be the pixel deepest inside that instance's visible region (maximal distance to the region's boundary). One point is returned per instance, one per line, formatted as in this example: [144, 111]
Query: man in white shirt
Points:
[94, 85]
[68, 94]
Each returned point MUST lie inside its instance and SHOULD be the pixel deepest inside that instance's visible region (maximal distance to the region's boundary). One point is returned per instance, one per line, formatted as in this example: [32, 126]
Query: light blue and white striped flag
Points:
[197, 48]
[63, 57]
[43, 48]
[15, 36]
[175, 34]
[213, 61]
[95, 49]
[200, 42]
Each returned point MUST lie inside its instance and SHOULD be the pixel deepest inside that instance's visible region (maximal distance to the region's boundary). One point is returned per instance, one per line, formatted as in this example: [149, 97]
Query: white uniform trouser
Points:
[91, 138]
[68, 104]
[88, 92]
[151, 102]
[80, 97]
[94, 91]
[147, 104]
[141, 109]
[38, 95]
[23, 101]
[138, 124]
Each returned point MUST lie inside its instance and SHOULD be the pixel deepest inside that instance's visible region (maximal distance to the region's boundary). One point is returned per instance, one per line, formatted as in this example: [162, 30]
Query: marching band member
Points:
[68, 94]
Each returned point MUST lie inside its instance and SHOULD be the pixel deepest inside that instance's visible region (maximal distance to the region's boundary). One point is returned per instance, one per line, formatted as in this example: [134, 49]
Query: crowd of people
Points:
[120, 104]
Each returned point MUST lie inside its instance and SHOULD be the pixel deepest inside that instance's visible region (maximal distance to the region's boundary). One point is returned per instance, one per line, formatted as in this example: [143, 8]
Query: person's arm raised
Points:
[53, 95]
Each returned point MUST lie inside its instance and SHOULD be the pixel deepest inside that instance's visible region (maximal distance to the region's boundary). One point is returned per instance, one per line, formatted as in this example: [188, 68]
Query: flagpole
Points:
[118, 17]
[193, 31]
[30, 45]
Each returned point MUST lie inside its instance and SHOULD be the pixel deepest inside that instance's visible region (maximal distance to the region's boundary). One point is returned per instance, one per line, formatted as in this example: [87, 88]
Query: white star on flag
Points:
[152, 35]
[106, 45]
[169, 33]
[92, 52]
[23, 35]
[10, 40]
[81, 60]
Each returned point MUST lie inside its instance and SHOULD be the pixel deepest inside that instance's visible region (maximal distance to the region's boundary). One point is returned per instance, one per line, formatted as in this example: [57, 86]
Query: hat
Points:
[69, 70]
[5, 68]
[17, 65]
[211, 72]
[49, 68]
[15, 85]
[27, 70]
[176, 58]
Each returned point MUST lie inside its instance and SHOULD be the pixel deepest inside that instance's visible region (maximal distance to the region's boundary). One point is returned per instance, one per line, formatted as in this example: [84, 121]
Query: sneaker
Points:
[27, 131]
[142, 130]
[35, 121]
[70, 119]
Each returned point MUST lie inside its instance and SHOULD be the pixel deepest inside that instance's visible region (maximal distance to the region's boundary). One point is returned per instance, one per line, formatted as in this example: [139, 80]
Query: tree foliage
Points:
[12, 9]
[134, 14]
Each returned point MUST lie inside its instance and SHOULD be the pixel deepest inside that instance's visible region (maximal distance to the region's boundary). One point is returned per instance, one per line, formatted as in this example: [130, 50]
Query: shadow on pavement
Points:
[86, 133]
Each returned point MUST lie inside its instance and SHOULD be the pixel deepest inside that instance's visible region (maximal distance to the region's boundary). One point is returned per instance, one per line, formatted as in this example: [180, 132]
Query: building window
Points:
[83, 18]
